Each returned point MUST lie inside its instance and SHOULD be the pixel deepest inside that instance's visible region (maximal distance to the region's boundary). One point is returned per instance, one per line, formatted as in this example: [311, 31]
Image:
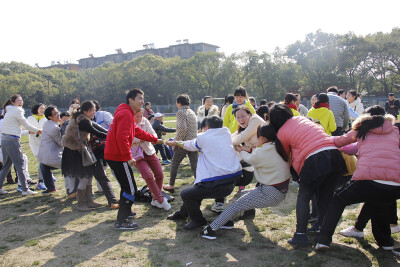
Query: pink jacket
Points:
[301, 137]
[378, 154]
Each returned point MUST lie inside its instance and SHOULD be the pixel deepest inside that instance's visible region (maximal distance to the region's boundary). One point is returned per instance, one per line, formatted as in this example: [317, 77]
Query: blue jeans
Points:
[47, 176]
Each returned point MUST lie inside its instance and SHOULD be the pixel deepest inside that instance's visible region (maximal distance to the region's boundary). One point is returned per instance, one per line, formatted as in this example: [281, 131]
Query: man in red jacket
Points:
[117, 153]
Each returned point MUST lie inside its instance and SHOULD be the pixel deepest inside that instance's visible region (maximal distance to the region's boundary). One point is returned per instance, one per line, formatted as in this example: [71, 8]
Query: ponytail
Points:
[368, 123]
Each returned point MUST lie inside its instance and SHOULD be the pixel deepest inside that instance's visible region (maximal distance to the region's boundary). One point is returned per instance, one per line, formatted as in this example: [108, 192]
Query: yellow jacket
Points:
[325, 117]
[295, 112]
[230, 120]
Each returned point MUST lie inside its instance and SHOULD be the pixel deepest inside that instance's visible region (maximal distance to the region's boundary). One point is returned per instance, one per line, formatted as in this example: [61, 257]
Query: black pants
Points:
[378, 196]
[164, 151]
[101, 177]
[367, 210]
[193, 196]
[123, 172]
[323, 189]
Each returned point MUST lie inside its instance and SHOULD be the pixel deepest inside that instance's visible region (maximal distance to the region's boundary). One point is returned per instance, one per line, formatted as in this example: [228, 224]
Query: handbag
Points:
[88, 157]
[137, 153]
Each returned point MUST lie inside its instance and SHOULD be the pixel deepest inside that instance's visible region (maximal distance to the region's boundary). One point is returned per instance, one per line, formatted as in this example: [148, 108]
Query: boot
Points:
[89, 200]
[80, 194]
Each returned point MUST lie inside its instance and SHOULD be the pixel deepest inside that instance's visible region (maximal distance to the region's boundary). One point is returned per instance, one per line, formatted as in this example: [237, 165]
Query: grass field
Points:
[49, 231]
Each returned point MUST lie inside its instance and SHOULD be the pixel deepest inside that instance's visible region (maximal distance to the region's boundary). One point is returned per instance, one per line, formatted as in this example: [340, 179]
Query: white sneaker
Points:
[394, 229]
[350, 232]
[154, 203]
[321, 247]
[387, 248]
[3, 192]
[165, 205]
[28, 193]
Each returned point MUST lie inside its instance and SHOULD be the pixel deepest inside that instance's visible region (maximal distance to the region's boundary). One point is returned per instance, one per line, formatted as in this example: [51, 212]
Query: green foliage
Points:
[366, 63]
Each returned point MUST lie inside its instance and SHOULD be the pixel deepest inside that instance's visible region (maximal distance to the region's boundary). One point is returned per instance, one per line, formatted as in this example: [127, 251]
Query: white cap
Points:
[158, 115]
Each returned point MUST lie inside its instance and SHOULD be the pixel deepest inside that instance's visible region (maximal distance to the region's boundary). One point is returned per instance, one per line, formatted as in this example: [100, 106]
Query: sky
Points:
[43, 31]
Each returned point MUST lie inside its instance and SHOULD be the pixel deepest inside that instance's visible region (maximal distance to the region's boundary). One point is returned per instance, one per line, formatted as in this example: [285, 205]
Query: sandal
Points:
[169, 188]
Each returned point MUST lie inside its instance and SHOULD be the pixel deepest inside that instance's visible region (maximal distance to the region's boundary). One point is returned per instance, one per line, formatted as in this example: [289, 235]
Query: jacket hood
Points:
[386, 128]
[123, 108]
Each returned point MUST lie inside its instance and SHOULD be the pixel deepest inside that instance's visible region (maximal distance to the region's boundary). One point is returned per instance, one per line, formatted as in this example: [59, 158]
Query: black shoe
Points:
[208, 233]
[10, 181]
[314, 228]
[31, 182]
[193, 225]
[132, 215]
[228, 225]
[248, 214]
[125, 225]
[176, 216]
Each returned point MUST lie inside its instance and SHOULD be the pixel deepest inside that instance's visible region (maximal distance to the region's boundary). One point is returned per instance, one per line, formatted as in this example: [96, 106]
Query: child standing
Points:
[321, 112]
[273, 176]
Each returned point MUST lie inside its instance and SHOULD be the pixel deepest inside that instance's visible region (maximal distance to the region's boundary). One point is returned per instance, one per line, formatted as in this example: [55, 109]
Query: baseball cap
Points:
[158, 115]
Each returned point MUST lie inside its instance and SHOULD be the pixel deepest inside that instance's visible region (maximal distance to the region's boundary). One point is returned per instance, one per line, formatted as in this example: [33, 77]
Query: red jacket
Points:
[121, 133]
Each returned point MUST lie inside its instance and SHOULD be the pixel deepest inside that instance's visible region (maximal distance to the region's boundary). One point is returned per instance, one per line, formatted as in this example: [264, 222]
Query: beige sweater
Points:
[269, 167]
[249, 135]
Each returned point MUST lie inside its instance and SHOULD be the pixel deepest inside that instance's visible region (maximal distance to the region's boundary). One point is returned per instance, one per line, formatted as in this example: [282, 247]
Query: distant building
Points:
[67, 66]
[182, 50]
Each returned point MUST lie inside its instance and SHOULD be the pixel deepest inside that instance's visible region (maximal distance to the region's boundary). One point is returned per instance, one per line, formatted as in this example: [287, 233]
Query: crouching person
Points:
[272, 174]
[218, 168]
[50, 149]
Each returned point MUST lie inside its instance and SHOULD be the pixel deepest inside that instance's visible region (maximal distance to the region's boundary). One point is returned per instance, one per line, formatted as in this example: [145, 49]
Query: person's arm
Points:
[191, 145]
[55, 134]
[181, 127]
[352, 113]
[346, 117]
[99, 127]
[227, 116]
[245, 135]
[346, 139]
[387, 106]
[165, 129]
[85, 125]
[22, 121]
[145, 136]
[108, 119]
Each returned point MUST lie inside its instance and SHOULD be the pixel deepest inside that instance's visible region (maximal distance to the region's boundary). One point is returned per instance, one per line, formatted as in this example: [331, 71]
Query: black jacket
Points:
[159, 128]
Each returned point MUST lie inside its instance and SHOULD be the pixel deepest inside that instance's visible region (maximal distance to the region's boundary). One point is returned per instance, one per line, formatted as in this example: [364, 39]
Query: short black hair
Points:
[147, 103]
[289, 97]
[132, 94]
[263, 102]
[48, 111]
[240, 91]
[96, 104]
[213, 122]
[229, 99]
[391, 94]
[183, 99]
[340, 91]
[65, 113]
[35, 108]
[332, 89]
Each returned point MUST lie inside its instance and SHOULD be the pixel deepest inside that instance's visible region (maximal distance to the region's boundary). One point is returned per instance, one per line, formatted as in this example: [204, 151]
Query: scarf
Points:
[321, 105]
[38, 117]
[235, 105]
[293, 106]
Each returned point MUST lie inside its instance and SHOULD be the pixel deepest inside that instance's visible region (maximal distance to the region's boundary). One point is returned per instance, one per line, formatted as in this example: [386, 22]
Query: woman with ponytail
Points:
[273, 176]
[316, 162]
[376, 180]
[290, 101]
[320, 111]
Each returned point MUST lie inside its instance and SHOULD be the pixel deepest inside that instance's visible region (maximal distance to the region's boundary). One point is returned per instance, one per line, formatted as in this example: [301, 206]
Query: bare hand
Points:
[39, 132]
[159, 141]
[132, 162]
